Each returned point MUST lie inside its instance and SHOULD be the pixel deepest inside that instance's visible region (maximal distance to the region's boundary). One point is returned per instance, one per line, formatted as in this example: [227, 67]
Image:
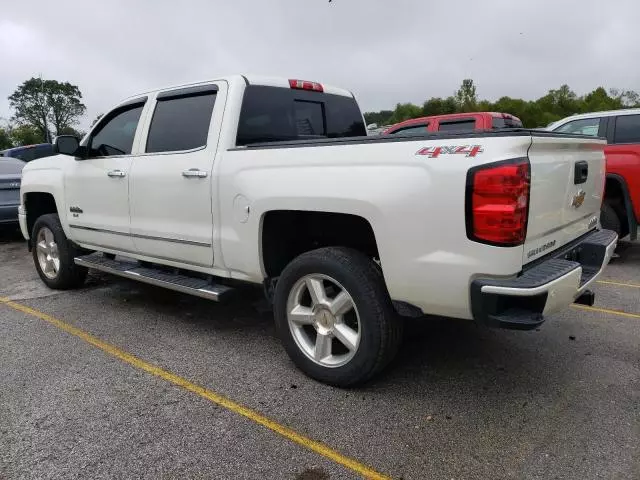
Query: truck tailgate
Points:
[567, 185]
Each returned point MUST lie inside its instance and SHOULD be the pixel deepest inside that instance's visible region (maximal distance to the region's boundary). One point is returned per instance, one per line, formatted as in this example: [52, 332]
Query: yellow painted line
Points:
[618, 284]
[306, 442]
[606, 310]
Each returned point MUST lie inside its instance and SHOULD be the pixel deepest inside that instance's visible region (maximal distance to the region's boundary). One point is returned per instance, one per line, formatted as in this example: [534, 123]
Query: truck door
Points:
[97, 187]
[172, 212]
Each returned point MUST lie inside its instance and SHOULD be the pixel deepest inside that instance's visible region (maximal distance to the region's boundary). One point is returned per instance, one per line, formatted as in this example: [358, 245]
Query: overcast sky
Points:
[385, 51]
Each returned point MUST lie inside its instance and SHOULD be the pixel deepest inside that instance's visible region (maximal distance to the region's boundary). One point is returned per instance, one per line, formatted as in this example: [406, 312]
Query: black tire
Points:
[380, 327]
[69, 275]
[609, 219]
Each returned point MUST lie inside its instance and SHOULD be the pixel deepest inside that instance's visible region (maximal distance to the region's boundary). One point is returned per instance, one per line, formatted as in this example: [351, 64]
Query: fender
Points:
[631, 218]
[45, 180]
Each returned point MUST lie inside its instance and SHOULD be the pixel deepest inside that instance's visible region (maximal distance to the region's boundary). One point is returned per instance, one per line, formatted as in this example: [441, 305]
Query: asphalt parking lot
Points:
[129, 381]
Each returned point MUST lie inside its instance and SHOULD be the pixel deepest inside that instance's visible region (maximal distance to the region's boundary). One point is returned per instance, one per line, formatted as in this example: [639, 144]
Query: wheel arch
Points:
[37, 203]
[616, 183]
[285, 233]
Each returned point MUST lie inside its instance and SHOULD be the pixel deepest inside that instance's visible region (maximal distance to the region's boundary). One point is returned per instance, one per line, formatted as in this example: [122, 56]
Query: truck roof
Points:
[581, 116]
[448, 116]
[251, 79]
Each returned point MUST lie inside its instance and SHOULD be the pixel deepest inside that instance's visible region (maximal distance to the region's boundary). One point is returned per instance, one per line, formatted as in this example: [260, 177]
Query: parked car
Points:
[10, 176]
[621, 128]
[275, 182]
[455, 122]
[29, 152]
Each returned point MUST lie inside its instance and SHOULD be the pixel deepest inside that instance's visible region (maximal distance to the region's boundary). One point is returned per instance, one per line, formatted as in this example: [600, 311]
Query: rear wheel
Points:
[610, 219]
[334, 316]
[53, 255]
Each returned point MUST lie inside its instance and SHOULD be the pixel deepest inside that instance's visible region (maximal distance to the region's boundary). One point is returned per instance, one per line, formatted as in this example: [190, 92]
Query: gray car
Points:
[10, 175]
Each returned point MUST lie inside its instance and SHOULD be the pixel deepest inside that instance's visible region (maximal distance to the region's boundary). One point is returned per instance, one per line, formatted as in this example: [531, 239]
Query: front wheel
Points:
[334, 316]
[54, 255]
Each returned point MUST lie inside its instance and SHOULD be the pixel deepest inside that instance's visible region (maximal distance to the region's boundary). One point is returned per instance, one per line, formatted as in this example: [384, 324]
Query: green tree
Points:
[561, 102]
[466, 96]
[47, 105]
[25, 135]
[66, 106]
[405, 111]
[556, 104]
[599, 100]
[439, 106]
[5, 139]
[628, 98]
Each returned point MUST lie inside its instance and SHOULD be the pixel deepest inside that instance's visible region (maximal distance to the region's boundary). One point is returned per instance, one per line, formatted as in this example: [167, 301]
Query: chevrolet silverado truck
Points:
[274, 182]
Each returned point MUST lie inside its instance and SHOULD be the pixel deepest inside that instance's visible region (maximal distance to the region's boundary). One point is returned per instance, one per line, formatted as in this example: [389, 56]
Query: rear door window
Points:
[181, 121]
[272, 114]
[458, 125]
[627, 129]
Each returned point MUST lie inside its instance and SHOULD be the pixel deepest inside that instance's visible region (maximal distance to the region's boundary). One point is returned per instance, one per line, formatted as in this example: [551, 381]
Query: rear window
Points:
[627, 129]
[15, 153]
[44, 150]
[31, 152]
[273, 114]
[505, 122]
[462, 125]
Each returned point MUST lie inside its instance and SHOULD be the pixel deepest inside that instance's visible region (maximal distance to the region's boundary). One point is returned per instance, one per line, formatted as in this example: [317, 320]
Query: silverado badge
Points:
[578, 199]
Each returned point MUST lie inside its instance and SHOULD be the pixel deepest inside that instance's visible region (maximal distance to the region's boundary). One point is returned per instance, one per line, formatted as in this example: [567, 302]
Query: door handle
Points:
[194, 173]
[580, 173]
[116, 174]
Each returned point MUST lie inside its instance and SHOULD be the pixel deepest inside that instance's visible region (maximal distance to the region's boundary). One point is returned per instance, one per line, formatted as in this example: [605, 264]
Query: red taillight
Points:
[306, 85]
[498, 203]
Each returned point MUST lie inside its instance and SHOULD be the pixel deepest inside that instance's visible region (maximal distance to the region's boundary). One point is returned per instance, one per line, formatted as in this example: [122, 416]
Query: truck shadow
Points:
[10, 235]
[628, 252]
[440, 353]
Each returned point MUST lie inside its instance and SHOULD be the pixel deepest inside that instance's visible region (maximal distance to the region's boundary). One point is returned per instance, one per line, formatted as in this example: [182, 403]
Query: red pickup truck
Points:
[455, 122]
[621, 128]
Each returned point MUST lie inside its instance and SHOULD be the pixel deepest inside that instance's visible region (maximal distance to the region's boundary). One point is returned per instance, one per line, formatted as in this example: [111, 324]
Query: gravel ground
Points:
[460, 402]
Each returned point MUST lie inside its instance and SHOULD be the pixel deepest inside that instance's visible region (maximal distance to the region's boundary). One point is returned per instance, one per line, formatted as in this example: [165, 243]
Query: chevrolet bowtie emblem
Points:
[578, 199]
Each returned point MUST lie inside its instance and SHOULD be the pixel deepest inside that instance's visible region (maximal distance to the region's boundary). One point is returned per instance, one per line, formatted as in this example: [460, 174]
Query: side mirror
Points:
[66, 144]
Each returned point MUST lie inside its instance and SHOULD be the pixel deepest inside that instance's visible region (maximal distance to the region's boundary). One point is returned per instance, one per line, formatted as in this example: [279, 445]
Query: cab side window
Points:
[115, 133]
[457, 125]
[627, 129]
[586, 126]
[420, 129]
[181, 120]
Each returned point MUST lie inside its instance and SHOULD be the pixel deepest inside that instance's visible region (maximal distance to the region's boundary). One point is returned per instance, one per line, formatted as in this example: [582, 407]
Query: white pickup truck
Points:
[275, 182]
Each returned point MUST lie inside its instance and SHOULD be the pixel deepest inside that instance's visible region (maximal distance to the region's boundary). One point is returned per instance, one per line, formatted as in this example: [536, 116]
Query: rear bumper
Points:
[547, 286]
[8, 214]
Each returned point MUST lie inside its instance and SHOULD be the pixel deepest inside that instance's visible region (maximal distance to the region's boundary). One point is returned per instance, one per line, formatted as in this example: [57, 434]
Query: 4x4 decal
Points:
[466, 150]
